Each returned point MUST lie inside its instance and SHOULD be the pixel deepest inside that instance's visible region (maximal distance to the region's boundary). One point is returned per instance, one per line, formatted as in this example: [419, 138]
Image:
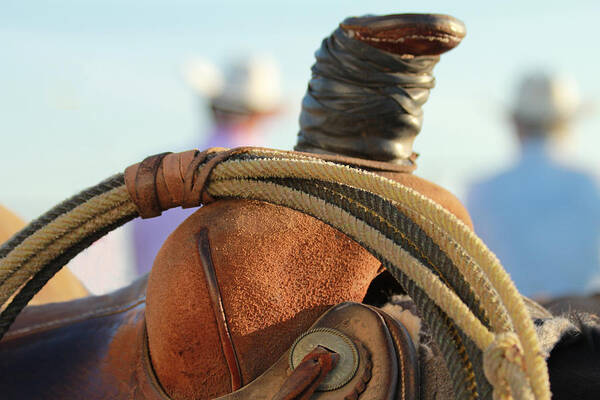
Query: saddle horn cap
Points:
[408, 34]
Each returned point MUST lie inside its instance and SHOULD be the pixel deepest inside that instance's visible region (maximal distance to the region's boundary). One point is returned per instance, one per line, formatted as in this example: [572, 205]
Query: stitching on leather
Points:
[148, 369]
[401, 356]
[440, 38]
[102, 312]
[227, 345]
[431, 38]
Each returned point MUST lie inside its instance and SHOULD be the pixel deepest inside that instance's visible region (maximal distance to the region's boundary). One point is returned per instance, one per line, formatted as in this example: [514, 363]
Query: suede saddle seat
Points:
[275, 270]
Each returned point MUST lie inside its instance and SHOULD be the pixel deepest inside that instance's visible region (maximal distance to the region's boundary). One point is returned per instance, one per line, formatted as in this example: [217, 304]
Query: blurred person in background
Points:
[63, 286]
[541, 216]
[241, 100]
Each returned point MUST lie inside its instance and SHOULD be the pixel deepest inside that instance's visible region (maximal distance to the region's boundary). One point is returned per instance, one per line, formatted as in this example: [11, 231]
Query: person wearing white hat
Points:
[240, 99]
[542, 217]
[246, 94]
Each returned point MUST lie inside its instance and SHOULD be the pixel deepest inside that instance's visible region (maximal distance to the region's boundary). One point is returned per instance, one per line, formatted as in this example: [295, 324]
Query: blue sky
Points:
[88, 87]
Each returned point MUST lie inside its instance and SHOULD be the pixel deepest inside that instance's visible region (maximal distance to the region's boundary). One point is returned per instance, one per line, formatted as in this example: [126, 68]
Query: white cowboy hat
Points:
[248, 86]
[203, 76]
[545, 99]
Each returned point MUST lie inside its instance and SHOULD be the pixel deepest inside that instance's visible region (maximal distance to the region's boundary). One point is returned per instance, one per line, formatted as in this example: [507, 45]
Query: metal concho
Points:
[333, 340]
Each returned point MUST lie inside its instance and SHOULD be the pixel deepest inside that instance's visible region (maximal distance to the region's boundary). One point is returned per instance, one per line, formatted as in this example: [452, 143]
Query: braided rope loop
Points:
[503, 364]
[512, 360]
[508, 296]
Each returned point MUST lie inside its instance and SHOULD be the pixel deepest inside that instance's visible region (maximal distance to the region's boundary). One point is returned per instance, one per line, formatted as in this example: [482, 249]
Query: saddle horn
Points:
[370, 80]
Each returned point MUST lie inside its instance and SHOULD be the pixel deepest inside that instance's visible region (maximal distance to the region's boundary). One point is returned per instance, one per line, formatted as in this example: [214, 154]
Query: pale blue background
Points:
[88, 87]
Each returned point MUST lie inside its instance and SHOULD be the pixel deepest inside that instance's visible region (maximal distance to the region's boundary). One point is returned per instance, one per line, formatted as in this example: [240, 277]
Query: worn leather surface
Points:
[97, 348]
[63, 286]
[86, 349]
[277, 270]
[434, 379]
[406, 355]
[367, 328]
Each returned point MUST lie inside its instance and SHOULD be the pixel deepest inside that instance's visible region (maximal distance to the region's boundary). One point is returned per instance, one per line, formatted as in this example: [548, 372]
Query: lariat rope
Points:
[467, 299]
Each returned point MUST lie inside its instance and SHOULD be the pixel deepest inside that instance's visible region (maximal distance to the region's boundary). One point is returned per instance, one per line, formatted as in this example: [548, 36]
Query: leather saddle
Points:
[229, 295]
[248, 299]
[252, 300]
[98, 348]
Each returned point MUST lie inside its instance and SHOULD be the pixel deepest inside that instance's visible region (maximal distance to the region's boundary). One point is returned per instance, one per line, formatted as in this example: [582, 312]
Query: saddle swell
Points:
[277, 270]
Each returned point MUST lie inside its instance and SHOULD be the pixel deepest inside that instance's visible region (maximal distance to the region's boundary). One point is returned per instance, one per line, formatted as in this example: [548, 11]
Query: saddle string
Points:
[21, 266]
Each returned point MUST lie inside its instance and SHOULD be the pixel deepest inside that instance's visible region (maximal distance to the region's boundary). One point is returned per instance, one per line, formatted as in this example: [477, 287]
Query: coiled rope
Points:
[479, 320]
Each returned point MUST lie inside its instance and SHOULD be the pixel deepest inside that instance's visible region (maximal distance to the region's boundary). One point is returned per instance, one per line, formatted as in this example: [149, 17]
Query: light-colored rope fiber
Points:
[32, 254]
[53, 250]
[487, 261]
[503, 367]
[372, 238]
[461, 260]
[59, 209]
[464, 262]
[59, 227]
[513, 361]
